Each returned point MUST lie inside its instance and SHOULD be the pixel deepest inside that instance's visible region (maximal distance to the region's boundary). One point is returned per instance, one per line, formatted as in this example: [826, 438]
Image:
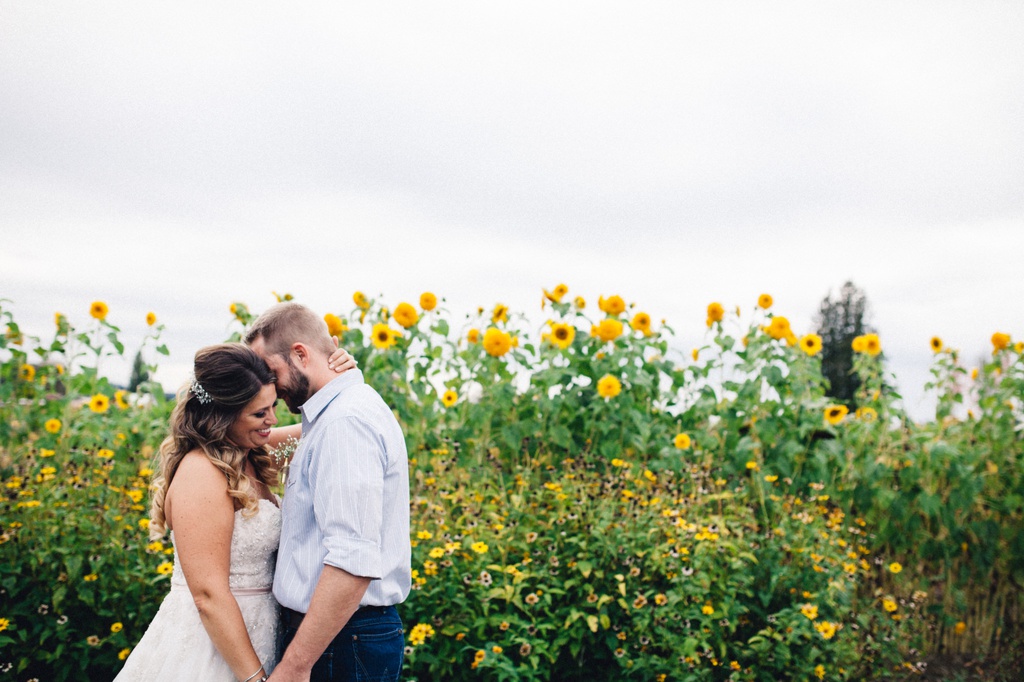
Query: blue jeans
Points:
[370, 648]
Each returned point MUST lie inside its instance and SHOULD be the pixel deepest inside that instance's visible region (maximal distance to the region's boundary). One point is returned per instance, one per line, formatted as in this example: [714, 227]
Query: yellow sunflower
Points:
[406, 315]
[613, 305]
[608, 386]
[642, 323]
[27, 373]
[428, 301]
[359, 298]
[1000, 341]
[779, 328]
[52, 425]
[858, 344]
[99, 403]
[810, 344]
[609, 329]
[335, 325]
[562, 334]
[383, 336]
[119, 399]
[500, 313]
[765, 301]
[99, 310]
[497, 342]
[150, 319]
[579, 302]
[449, 398]
[872, 345]
[556, 294]
[936, 344]
[682, 441]
[835, 413]
[715, 313]
[473, 336]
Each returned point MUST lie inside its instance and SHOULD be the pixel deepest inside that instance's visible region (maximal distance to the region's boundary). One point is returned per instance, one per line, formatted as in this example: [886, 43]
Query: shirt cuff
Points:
[355, 556]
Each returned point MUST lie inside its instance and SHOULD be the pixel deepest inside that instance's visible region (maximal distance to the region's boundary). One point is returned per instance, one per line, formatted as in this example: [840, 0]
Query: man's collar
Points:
[312, 408]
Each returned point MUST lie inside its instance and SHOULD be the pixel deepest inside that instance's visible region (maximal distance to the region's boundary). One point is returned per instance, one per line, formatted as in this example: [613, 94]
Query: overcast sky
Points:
[175, 157]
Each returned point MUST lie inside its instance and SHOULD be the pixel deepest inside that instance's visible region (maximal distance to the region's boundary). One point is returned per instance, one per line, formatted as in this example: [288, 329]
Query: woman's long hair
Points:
[230, 376]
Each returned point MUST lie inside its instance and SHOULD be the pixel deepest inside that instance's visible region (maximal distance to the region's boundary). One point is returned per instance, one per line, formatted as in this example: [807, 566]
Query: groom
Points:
[344, 559]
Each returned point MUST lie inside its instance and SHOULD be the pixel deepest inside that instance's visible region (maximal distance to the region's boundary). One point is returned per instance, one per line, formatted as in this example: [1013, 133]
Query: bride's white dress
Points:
[176, 646]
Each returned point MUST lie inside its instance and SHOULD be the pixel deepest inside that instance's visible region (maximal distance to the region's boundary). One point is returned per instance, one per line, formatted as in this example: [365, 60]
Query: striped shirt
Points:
[346, 499]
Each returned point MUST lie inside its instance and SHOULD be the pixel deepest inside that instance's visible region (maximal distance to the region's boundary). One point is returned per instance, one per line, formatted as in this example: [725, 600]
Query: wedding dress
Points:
[176, 646]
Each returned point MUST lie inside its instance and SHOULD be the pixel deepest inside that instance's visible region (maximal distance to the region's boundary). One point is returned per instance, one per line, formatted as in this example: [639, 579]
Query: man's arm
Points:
[335, 599]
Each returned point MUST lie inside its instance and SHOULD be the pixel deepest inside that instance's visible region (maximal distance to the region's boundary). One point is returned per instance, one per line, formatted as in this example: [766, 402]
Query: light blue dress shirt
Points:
[346, 499]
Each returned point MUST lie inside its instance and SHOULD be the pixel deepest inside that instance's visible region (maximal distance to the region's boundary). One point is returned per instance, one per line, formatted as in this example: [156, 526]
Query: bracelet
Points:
[262, 679]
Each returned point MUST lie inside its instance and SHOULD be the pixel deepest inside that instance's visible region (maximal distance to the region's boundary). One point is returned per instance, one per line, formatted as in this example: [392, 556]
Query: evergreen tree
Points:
[839, 321]
[140, 373]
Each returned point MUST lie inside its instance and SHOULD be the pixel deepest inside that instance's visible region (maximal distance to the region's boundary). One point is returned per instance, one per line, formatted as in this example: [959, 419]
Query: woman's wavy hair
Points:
[231, 375]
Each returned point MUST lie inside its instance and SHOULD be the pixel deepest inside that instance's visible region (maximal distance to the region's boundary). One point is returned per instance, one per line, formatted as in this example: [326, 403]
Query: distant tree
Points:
[140, 374]
[839, 321]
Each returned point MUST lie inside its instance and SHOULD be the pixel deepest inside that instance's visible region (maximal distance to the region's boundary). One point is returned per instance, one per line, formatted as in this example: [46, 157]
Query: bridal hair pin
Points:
[200, 393]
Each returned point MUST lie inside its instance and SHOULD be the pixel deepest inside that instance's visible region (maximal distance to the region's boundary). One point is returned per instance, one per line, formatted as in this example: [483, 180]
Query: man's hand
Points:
[284, 672]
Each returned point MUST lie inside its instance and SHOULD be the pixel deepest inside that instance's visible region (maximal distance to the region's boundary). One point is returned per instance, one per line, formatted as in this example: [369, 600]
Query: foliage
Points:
[584, 503]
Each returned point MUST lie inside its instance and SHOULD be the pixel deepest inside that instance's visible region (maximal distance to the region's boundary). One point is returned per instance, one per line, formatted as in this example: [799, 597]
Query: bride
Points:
[213, 491]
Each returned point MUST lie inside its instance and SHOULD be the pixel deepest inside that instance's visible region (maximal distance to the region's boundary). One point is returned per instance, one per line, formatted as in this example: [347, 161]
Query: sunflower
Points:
[335, 325]
[428, 301]
[473, 336]
[119, 399]
[150, 319]
[868, 414]
[936, 344]
[872, 345]
[579, 302]
[557, 294]
[99, 403]
[613, 305]
[835, 413]
[500, 313]
[642, 323]
[608, 386]
[52, 425]
[810, 344]
[858, 344]
[682, 441]
[779, 328]
[562, 334]
[1000, 341]
[449, 398]
[609, 329]
[27, 373]
[406, 315]
[359, 298]
[384, 336]
[497, 342]
[99, 310]
[715, 313]
[765, 301]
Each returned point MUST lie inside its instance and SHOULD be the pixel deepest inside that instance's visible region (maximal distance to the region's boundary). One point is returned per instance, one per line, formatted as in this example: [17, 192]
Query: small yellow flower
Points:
[497, 342]
[165, 568]
[609, 329]
[895, 567]
[449, 398]
[810, 344]
[4, 624]
[500, 313]
[608, 386]
[562, 334]
[105, 453]
[889, 604]
[123, 653]
[383, 336]
[936, 344]
[707, 609]
[143, 524]
[556, 294]
[119, 399]
[771, 478]
[613, 305]
[752, 465]
[779, 328]
[99, 403]
[835, 413]
[579, 302]
[826, 629]
[99, 310]
[642, 323]
[868, 414]
[960, 627]
[117, 627]
[682, 441]
[335, 325]
[92, 640]
[359, 298]
[428, 301]
[150, 318]
[473, 336]
[52, 425]
[27, 373]
[1000, 341]
[406, 315]
[810, 611]
[479, 547]
[868, 343]
[765, 301]
[715, 313]
[819, 671]
[90, 578]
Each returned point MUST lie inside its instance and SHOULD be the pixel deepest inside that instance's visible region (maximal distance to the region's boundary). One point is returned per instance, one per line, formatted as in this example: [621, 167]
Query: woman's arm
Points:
[203, 518]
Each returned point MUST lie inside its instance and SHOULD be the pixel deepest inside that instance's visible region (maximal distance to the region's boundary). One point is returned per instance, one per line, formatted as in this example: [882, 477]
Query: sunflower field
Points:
[587, 501]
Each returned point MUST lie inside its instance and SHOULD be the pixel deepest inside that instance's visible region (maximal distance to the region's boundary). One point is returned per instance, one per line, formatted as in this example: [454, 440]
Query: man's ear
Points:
[301, 354]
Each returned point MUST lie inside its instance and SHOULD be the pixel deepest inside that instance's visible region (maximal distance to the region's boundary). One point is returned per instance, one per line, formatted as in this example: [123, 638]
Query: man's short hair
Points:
[287, 323]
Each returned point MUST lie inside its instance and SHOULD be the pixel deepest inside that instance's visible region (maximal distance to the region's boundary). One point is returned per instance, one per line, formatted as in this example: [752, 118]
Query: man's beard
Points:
[298, 393]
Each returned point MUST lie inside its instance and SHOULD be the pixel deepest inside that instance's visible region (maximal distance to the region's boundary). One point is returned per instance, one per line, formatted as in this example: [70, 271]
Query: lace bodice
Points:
[253, 550]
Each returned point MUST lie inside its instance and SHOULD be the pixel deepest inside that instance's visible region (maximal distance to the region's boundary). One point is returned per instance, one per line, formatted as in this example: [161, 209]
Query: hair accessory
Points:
[200, 393]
